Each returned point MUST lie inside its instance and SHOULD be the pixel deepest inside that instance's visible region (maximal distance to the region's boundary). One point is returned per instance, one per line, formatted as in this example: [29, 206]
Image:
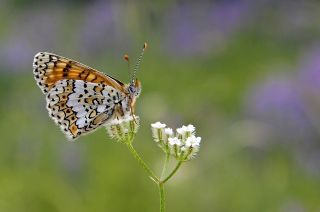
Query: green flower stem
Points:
[162, 196]
[153, 177]
[142, 163]
[172, 173]
[165, 165]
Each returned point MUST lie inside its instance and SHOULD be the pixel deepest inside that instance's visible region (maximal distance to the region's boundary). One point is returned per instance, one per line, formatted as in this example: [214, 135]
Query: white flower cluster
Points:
[183, 144]
[123, 129]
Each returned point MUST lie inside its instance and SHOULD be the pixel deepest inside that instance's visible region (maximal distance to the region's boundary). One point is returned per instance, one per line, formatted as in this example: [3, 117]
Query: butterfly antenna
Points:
[136, 68]
[126, 58]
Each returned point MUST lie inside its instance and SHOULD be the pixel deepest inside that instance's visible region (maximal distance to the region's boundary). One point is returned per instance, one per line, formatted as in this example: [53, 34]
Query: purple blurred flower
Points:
[28, 33]
[193, 28]
[102, 28]
[227, 16]
[309, 83]
[282, 25]
[309, 74]
[279, 103]
[291, 106]
[16, 55]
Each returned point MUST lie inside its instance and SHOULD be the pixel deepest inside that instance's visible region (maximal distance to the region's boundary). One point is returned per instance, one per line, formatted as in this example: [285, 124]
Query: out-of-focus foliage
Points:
[245, 73]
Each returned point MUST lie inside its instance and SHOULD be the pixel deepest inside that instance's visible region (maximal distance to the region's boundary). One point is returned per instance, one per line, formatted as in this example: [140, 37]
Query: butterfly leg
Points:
[118, 111]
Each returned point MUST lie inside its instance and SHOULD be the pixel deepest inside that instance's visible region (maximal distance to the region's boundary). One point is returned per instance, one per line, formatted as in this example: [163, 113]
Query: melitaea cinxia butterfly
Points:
[80, 98]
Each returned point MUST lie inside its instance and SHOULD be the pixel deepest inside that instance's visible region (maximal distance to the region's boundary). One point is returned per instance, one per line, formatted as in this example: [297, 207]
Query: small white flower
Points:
[183, 145]
[168, 131]
[174, 141]
[122, 129]
[158, 125]
[115, 122]
[129, 118]
[184, 148]
[193, 141]
[181, 130]
[190, 128]
[184, 129]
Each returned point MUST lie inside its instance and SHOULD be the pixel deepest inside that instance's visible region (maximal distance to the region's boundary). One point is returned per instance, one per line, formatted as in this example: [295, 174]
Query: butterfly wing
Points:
[79, 98]
[79, 107]
[49, 68]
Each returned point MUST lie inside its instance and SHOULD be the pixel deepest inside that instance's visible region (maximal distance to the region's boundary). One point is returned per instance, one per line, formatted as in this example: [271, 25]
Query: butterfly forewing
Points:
[79, 98]
[49, 68]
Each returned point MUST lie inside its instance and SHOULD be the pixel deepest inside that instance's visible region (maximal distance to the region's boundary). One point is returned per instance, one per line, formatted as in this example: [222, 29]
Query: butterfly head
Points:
[134, 90]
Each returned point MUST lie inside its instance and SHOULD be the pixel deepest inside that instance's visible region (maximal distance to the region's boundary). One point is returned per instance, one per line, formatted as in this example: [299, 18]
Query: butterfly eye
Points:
[132, 89]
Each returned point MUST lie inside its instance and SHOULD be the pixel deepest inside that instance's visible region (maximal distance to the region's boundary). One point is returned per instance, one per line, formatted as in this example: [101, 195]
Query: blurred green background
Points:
[245, 73]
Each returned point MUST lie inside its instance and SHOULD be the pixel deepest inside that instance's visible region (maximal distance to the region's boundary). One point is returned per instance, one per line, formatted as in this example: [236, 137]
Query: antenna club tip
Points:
[145, 45]
[126, 57]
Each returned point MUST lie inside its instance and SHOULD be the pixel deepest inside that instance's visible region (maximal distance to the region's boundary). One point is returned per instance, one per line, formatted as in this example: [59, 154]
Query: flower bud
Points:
[123, 129]
[183, 144]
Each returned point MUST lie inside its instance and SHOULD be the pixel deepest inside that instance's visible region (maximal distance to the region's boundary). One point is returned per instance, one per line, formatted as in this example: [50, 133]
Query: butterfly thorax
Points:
[134, 90]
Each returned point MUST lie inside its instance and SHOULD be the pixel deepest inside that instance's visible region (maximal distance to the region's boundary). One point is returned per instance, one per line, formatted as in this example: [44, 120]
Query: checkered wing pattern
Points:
[79, 98]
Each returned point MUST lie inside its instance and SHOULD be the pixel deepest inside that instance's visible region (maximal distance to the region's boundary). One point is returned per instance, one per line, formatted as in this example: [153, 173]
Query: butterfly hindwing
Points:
[49, 68]
[79, 107]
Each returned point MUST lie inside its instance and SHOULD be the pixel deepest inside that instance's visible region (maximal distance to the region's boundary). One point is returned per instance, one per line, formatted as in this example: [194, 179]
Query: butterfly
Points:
[79, 98]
